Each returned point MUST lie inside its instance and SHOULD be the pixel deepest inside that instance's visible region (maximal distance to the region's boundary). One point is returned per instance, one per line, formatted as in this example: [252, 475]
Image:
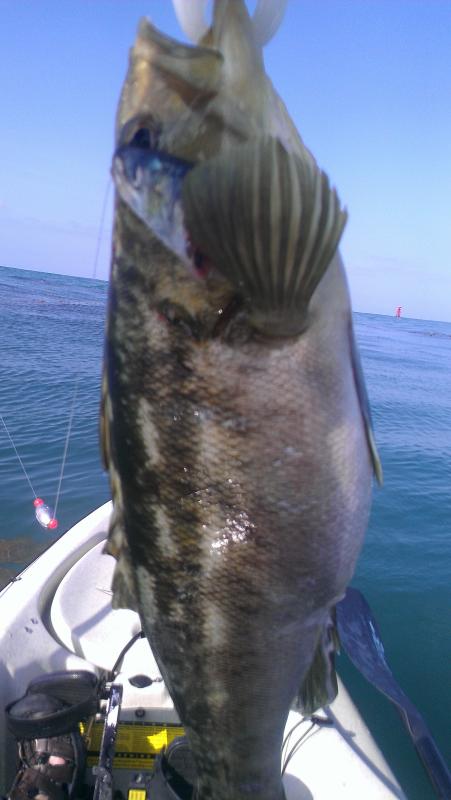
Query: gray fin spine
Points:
[123, 584]
[365, 407]
[269, 222]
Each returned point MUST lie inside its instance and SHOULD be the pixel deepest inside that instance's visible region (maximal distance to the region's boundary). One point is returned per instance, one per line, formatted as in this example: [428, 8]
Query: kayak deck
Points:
[58, 615]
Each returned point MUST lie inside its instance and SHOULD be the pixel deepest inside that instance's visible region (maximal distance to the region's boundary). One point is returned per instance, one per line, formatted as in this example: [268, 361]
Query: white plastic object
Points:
[191, 17]
[266, 19]
[44, 514]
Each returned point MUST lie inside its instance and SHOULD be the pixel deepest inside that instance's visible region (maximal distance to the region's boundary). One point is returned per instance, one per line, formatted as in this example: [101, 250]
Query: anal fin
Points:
[320, 686]
[123, 582]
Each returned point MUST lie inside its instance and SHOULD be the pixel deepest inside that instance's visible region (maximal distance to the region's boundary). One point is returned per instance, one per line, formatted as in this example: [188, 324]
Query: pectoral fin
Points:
[268, 220]
[364, 405]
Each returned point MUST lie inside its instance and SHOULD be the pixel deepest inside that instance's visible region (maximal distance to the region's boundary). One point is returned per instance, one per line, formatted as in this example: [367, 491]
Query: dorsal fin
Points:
[270, 223]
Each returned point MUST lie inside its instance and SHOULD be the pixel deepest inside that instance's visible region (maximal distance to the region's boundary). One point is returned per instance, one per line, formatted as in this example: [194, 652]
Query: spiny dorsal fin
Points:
[270, 223]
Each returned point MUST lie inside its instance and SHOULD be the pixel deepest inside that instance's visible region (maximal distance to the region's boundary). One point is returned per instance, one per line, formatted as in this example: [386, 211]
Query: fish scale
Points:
[236, 426]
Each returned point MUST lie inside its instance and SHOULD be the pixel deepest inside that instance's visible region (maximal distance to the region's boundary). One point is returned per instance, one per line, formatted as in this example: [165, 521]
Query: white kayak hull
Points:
[57, 615]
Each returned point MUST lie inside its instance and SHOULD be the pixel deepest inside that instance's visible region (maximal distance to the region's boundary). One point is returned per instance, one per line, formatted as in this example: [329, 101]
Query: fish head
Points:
[209, 160]
[178, 108]
[196, 101]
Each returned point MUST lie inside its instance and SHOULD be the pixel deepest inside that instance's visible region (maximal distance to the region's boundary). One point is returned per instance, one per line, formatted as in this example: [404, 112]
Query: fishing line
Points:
[297, 745]
[44, 514]
[101, 224]
[77, 380]
[66, 443]
[315, 721]
[18, 456]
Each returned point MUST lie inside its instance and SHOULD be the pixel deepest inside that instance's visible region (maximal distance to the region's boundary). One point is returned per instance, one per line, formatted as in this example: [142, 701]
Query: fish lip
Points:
[126, 151]
[131, 160]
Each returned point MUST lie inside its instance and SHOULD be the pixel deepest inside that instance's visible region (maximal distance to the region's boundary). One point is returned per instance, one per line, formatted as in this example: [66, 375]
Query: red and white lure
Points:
[44, 514]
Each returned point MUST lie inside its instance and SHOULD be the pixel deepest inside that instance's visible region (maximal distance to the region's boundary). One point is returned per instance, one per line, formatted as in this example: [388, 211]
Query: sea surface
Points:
[51, 342]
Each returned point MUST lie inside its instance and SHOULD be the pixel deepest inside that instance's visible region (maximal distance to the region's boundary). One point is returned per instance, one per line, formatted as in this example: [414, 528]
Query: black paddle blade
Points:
[362, 642]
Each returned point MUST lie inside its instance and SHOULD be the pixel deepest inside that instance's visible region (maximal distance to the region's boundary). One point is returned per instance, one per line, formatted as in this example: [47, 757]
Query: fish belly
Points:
[244, 497]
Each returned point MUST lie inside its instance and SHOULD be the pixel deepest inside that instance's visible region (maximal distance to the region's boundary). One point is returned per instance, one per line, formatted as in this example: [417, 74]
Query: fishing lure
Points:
[44, 514]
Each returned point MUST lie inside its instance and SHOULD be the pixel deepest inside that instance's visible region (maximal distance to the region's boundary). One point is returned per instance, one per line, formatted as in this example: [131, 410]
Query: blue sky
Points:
[367, 82]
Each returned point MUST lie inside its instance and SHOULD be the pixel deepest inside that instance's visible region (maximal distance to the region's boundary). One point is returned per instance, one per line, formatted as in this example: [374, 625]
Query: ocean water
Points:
[51, 339]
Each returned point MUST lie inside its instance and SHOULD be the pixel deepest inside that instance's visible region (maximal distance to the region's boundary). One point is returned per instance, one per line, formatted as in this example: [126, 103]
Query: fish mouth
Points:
[137, 137]
[149, 181]
[131, 161]
[140, 131]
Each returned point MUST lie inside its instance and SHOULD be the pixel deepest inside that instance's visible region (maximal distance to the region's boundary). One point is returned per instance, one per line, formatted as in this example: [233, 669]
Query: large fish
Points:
[236, 427]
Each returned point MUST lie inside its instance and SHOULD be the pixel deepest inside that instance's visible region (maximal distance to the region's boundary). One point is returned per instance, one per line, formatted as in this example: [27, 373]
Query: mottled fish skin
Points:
[240, 461]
